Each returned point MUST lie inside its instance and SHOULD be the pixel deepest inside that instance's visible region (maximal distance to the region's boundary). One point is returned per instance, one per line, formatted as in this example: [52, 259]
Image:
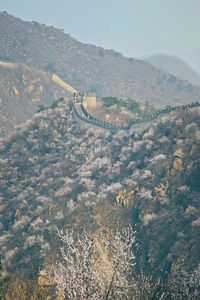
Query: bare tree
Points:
[95, 266]
[185, 286]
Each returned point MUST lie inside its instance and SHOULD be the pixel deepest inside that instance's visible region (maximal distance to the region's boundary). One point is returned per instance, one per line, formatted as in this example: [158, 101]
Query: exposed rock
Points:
[2, 206]
[16, 92]
[179, 153]
[161, 189]
[103, 264]
[44, 277]
[35, 100]
[123, 198]
[29, 89]
[178, 165]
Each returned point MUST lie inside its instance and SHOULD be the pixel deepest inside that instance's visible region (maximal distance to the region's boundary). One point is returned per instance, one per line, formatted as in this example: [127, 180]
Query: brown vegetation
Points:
[88, 68]
[22, 90]
[22, 287]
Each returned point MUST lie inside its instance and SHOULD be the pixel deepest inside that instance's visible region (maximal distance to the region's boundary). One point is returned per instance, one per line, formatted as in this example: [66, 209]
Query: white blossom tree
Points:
[185, 287]
[95, 266]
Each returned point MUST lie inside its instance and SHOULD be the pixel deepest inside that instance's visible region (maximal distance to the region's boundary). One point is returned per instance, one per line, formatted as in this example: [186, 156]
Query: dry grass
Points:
[22, 287]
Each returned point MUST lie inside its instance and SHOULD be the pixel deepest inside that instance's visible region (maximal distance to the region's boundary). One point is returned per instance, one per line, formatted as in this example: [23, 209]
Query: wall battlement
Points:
[83, 115]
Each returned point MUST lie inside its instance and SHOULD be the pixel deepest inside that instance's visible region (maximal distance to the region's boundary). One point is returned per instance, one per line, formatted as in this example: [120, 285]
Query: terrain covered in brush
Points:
[57, 174]
[63, 177]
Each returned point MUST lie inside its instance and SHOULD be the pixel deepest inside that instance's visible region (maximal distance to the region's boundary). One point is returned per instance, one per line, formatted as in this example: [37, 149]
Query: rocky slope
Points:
[90, 68]
[23, 90]
[175, 66]
[57, 173]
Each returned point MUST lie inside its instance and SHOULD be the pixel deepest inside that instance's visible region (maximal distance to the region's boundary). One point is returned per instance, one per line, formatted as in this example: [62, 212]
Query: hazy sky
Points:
[134, 27]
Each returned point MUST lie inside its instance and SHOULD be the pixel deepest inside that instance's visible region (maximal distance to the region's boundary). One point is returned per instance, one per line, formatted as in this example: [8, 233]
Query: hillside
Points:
[55, 172]
[175, 66]
[23, 90]
[89, 68]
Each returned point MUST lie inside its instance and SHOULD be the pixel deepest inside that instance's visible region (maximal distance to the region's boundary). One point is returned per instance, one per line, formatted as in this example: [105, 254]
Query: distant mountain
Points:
[90, 68]
[175, 66]
[23, 90]
[194, 59]
[57, 173]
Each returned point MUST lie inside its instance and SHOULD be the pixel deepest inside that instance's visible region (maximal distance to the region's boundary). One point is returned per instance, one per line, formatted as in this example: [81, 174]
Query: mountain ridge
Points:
[175, 66]
[89, 68]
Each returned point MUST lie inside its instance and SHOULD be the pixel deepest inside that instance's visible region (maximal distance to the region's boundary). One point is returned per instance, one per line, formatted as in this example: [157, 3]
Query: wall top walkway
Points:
[83, 115]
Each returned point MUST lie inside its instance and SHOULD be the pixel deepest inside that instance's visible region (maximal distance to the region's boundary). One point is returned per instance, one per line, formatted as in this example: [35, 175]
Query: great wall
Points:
[82, 101]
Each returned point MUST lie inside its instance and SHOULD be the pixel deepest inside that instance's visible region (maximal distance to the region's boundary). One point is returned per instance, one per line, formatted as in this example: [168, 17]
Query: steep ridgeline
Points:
[88, 68]
[23, 90]
[54, 173]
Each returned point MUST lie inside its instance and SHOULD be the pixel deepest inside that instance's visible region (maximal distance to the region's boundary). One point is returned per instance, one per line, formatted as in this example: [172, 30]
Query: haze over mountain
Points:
[90, 68]
[175, 66]
[194, 59]
[134, 28]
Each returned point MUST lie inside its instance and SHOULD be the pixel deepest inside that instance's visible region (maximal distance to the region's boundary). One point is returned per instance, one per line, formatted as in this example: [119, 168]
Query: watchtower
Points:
[89, 101]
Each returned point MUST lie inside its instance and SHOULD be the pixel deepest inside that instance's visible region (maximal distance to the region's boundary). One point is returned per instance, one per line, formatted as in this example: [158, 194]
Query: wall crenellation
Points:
[79, 102]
